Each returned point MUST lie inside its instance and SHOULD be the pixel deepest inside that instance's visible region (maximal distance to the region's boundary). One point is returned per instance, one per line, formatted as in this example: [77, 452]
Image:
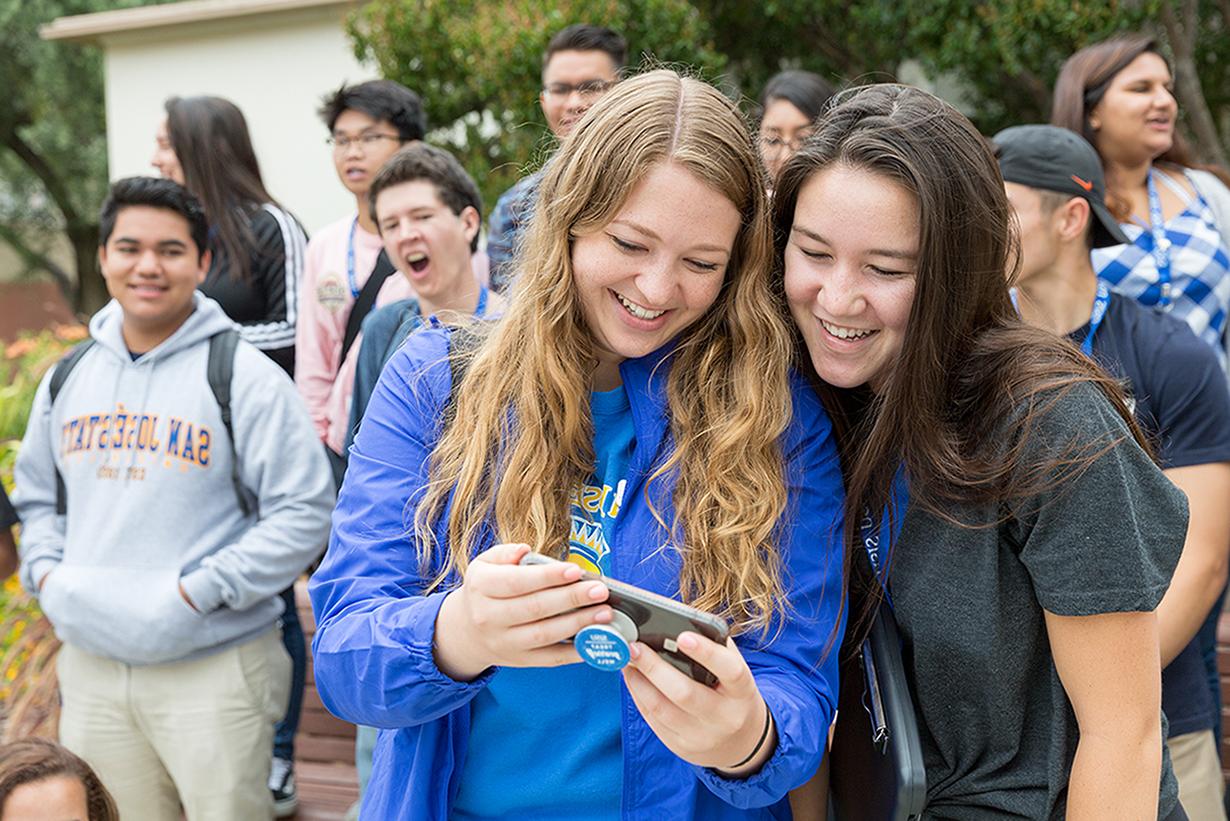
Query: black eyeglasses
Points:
[588, 89]
[366, 141]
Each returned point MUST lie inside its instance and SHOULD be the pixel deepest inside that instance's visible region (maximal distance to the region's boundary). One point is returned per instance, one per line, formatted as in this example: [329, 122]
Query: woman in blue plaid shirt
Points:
[1119, 94]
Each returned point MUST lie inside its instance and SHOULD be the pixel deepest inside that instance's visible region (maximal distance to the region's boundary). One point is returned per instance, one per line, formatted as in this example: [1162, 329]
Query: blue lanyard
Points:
[481, 307]
[1161, 244]
[1100, 304]
[350, 277]
[870, 535]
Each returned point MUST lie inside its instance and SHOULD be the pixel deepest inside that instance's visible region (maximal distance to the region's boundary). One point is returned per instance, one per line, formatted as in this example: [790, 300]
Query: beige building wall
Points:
[274, 66]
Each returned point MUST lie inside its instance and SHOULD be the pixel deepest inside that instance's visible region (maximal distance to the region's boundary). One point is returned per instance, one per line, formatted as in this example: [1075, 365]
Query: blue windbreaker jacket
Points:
[373, 647]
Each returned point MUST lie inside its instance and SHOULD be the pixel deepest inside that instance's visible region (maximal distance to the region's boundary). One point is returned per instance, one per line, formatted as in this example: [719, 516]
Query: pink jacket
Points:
[327, 385]
[324, 306]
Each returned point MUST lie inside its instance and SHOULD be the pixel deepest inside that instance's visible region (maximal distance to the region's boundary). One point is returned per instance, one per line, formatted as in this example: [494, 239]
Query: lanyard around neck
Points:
[1161, 244]
[350, 274]
[1100, 303]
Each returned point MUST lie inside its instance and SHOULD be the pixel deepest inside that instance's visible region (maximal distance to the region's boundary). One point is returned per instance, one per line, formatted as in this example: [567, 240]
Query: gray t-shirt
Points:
[998, 731]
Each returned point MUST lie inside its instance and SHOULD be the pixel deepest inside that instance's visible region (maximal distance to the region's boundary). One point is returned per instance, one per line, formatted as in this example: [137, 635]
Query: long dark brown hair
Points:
[968, 363]
[210, 138]
[1082, 84]
[35, 759]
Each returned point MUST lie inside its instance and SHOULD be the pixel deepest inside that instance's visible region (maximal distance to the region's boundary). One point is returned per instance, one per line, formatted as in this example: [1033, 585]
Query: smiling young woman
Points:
[1021, 580]
[1119, 95]
[643, 361]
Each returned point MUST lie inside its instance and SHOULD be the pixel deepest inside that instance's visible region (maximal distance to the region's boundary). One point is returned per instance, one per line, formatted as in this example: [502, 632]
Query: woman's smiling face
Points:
[655, 268]
[850, 272]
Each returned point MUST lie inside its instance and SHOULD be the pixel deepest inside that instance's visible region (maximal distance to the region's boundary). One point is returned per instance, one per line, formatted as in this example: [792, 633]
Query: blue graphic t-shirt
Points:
[545, 742]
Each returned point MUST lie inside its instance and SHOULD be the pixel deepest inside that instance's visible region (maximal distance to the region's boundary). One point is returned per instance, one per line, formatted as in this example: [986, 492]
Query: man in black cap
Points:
[1177, 389]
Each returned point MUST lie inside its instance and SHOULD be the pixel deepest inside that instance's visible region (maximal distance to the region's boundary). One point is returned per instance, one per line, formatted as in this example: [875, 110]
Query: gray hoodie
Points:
[147, 468]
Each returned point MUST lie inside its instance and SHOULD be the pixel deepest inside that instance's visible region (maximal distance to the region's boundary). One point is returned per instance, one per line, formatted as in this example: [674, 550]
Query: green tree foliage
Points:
[477, 64]
[53, 159]
[1003, 55]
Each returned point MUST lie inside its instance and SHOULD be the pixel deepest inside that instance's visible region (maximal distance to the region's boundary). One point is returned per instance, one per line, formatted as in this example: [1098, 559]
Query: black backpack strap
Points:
[58, 377]
[364, 302]
[219, 372]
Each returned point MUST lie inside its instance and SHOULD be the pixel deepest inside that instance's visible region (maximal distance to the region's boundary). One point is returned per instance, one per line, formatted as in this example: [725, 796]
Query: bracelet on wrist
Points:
[764, 735]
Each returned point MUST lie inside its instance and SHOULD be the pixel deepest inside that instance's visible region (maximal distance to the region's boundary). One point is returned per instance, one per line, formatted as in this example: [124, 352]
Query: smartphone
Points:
[658, 620]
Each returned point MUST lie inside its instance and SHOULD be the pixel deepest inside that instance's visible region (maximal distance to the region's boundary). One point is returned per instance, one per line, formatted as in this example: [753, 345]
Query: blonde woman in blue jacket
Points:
[633, 412]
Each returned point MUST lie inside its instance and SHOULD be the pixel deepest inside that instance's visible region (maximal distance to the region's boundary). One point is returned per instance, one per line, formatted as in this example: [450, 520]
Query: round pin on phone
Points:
[607, 646]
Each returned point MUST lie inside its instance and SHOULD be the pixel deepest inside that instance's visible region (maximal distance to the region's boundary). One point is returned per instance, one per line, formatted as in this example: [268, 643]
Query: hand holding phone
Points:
[728, 728]
[644, 616]
[512, 616]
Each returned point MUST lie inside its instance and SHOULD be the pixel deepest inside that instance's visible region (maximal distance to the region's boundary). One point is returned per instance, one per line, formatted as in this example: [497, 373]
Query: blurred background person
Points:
[581, 64]
[1119, 95]
[42, 781]
[789, 105]
[258, 247]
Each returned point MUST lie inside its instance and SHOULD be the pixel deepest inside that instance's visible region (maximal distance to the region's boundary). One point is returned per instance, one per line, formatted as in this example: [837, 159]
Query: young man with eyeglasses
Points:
[367, 123]
[581, 64]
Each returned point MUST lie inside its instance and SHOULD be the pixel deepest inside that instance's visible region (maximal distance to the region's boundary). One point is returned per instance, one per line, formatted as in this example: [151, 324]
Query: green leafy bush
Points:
[27, 643]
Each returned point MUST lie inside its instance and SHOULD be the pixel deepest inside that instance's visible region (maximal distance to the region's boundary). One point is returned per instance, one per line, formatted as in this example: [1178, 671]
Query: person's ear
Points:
[1073, 219]
[471, 221]
[206, 260]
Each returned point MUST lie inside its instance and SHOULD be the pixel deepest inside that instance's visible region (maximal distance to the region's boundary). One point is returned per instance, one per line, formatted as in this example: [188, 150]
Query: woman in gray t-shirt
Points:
[1040, 535]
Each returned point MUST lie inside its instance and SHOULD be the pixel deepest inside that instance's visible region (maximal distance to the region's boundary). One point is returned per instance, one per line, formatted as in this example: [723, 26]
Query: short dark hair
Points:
[807, 92]
[421, 161]
[31, 760]
[380, 100]
[584, 37]
[155, 193]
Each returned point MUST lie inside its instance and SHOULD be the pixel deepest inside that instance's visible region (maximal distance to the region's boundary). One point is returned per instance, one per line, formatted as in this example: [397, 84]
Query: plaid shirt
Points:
[511, 214]
[1199, 264]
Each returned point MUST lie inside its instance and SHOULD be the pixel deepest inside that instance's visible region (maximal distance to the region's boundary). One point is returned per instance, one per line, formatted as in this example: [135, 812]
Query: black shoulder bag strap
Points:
[219, 371]
[364, 302]
[58, 377]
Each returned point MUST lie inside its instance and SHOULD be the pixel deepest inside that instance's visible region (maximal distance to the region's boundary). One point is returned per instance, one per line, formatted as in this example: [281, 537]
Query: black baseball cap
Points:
[1056, 159]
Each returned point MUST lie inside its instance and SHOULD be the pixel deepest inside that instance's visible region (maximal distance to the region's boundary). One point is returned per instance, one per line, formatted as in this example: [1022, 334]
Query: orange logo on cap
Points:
[1088, 186]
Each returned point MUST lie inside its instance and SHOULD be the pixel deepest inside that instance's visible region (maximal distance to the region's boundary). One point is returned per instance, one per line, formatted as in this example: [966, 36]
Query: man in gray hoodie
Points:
[162, 571]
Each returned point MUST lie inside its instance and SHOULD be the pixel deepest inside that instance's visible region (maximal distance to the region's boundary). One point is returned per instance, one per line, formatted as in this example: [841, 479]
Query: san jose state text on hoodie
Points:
[150, 502]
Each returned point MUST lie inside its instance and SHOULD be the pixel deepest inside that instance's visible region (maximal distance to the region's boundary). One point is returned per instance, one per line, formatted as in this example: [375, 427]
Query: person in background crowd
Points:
[157, 534]
[8, 547]
[1039, 535]
[258, 261]
[1118, 95]
[790, 104]
[203, 144]
[1177, 392]
[582, 62]
[429, 213]
[42, 781]
[643, 359]
[367, 124]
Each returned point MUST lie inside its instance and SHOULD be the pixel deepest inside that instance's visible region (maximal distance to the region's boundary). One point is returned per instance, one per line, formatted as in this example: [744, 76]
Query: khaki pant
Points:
[1198, 770]
[197, 733]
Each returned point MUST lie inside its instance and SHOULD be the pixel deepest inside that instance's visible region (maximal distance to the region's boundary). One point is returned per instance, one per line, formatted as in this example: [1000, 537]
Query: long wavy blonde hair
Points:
[520, 439]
